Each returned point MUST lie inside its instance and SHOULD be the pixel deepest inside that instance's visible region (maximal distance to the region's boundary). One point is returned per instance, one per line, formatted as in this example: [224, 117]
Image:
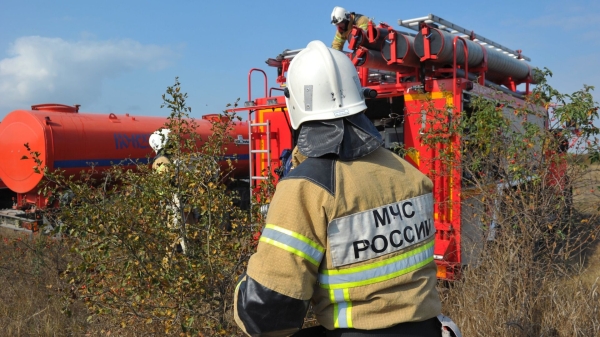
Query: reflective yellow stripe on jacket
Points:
[293, 242]
[377, 271]
[342, 308]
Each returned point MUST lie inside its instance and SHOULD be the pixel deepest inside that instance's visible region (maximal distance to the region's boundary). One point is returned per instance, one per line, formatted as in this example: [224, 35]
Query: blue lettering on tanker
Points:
[134, 141]
[86, 163]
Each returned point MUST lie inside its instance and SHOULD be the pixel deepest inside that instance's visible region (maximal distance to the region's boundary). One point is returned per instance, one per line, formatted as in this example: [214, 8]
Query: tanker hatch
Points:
[56, 107]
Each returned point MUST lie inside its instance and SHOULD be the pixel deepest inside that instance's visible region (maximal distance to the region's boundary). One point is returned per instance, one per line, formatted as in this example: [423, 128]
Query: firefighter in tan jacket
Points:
[344, 21]
[350, 229]
[158, 142]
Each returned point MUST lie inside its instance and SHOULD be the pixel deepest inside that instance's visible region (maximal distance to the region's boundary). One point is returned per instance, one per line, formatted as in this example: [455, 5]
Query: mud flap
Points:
[449, 328]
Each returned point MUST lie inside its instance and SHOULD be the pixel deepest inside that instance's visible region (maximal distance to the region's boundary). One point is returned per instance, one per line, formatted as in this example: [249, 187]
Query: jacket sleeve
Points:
[338, 41]
[274, 295]
[160, 164]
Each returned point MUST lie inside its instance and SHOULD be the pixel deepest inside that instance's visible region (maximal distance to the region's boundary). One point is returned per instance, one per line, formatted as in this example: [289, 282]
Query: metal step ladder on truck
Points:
[439, 64]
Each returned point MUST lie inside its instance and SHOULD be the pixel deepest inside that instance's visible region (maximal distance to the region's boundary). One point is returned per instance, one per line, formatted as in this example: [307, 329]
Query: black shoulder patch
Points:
[320, 171]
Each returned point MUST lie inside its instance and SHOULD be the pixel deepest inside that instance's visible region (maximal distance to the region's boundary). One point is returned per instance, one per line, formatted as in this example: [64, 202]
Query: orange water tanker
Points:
[72, 141]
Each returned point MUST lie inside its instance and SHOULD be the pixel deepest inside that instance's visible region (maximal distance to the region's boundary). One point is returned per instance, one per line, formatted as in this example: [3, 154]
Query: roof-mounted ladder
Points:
[452, 28]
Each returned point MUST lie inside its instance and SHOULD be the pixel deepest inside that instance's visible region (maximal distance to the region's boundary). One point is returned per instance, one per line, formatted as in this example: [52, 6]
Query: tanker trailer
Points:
[72, 141]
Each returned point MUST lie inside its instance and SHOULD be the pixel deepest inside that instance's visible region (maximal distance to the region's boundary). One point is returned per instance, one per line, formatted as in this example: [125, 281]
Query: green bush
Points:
[158, 252]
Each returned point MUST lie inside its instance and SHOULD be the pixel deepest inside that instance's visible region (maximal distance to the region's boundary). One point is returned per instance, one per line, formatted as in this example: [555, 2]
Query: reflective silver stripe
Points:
[293, 242]
[342, 308]
[378, 271]
[380, 231]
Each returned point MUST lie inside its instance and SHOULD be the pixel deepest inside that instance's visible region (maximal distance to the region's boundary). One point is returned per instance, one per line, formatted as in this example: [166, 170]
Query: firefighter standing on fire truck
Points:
[344, 21]
[350, 229]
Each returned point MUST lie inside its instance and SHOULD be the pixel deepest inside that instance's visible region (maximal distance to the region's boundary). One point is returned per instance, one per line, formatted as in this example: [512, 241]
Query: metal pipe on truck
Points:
[404, 48]
[373, 59]
[500, 65]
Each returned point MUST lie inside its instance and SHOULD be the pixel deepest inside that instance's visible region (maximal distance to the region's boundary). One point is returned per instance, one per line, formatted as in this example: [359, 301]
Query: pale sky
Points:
[119, 56]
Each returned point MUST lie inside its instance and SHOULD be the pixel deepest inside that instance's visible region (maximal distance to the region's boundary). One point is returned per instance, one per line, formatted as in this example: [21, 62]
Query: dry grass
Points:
[500, 298]
[513, 293]
[32, 295]
[30, 289]
[586, 197]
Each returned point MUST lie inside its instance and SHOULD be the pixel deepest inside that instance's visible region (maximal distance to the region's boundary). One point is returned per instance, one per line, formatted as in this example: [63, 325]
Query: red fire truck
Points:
[428, 62]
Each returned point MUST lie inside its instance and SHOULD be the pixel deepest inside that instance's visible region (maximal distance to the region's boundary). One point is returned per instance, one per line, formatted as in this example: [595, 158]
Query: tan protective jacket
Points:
[340, 38]
[160, 163]
[355, 238]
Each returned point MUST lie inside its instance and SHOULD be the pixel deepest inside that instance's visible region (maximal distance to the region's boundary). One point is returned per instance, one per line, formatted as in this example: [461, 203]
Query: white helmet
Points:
[339, 14]
[322, 83]
[159, 139]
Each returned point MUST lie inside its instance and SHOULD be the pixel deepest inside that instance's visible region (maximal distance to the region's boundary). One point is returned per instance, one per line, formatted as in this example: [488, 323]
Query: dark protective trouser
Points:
[429, 328]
